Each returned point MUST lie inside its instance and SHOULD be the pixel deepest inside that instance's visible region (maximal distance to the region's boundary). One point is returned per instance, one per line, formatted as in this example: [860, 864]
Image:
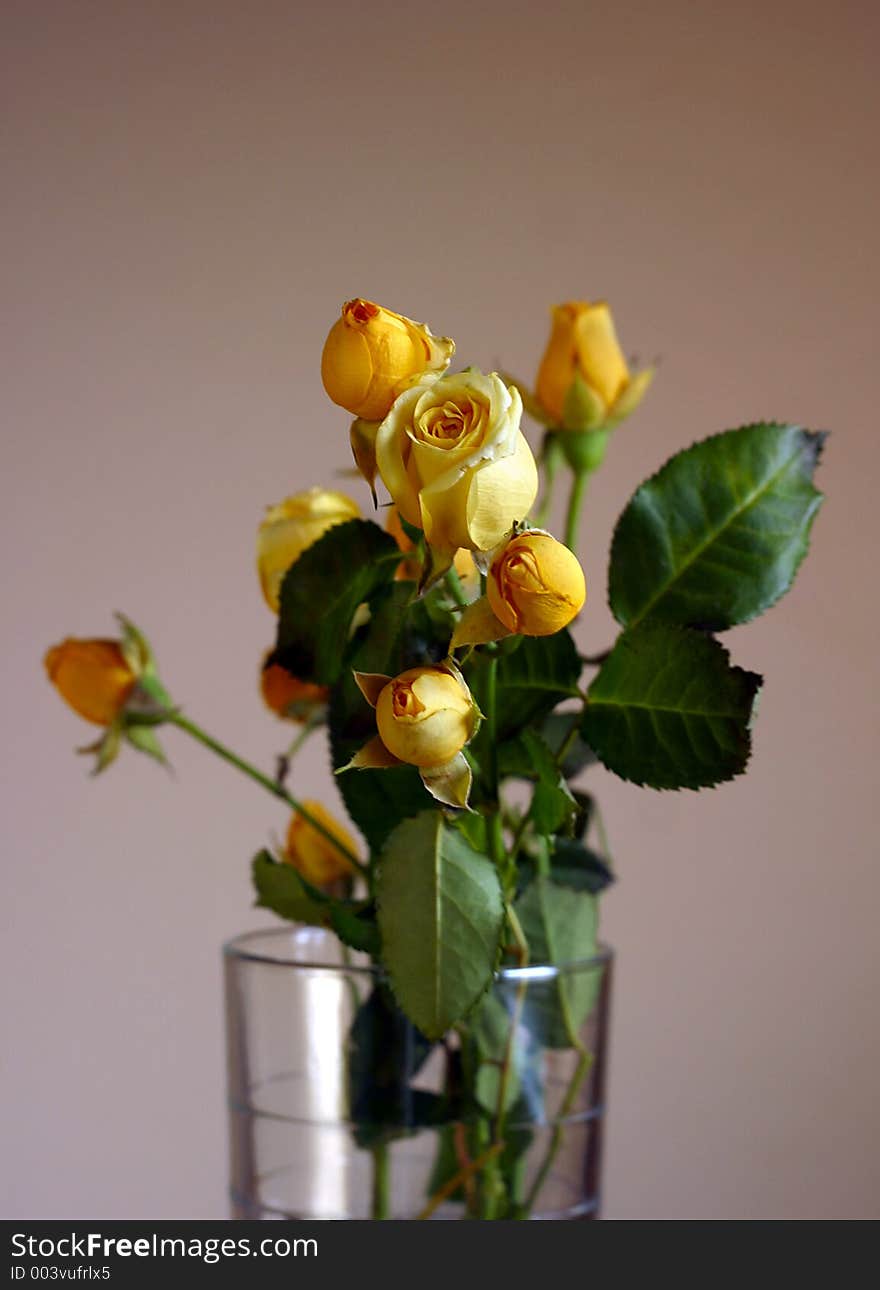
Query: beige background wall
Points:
[190, 192]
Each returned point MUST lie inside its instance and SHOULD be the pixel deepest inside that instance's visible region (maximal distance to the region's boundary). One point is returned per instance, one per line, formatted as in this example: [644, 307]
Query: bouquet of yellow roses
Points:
[432, 644]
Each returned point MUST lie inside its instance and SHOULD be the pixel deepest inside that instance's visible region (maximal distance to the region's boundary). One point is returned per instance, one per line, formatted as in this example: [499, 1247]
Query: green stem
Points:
[492, 726]
[379, 1207]
[271, 785]
[569, 739]
[518, 837]
[456, 590]
[310, 725]
[507, 1061]
[457, 1180]
[496, 829]
[579, 482]
[584, 1063]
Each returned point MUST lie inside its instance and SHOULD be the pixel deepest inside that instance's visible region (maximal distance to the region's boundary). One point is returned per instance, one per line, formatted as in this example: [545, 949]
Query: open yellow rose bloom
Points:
[457, 465]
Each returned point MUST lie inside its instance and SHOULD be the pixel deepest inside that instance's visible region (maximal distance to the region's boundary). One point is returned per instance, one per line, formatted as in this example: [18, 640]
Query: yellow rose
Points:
[372, 354]
[583, 344]
[425, 716]
[92, 676]
[455, 461]
[292, 526]
[289, 697]
[535, 585]
[313, 855]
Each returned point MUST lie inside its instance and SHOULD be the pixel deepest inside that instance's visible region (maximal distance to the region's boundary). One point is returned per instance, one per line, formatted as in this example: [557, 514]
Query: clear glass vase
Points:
[340, 1109]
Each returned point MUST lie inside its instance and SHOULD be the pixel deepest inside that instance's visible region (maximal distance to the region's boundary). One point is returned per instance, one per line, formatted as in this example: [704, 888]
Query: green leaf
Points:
[514, 759]
[283, 889]
[556, 730]
[321, 592]
[717, 535]
[578, 866]
[355, 926]
[560, 927]
[385, 1053]
[440, 916]
[377, 800]
[666, 709]
[489, 1033]
[288, 894]
[535, 674]
[586, 809]
[446, 1165]
[474, 828]
[552, 804]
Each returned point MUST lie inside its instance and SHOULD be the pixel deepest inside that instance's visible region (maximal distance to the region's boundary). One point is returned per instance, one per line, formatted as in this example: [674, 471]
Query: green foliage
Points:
[556, 730]
[553, 807]
[354, 922]
[288, 894]
[385, 1053]
[534, 674]
[440, 917]
[474, 828]
[503, 1181]
[377, 800]
[560, 926]
[321, 592]
[668, 710]
[575, 865]
[528, 757]
[717, 535]
[489, 1034]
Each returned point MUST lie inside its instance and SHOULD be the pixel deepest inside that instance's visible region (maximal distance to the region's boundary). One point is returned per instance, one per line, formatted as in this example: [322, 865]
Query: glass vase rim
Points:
[240, 948]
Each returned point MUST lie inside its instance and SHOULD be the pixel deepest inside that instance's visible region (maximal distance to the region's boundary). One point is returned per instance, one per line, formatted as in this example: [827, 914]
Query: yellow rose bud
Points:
[455, 461]
[371, 355]
[313, 855]
[583, 342]
[289, 697]
[425, 716]
[92, 676]
[535, 585]
[291, 527]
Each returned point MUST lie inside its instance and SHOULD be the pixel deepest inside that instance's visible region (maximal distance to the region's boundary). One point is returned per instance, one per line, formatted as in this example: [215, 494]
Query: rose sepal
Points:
[478, 625]
[584, 450]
